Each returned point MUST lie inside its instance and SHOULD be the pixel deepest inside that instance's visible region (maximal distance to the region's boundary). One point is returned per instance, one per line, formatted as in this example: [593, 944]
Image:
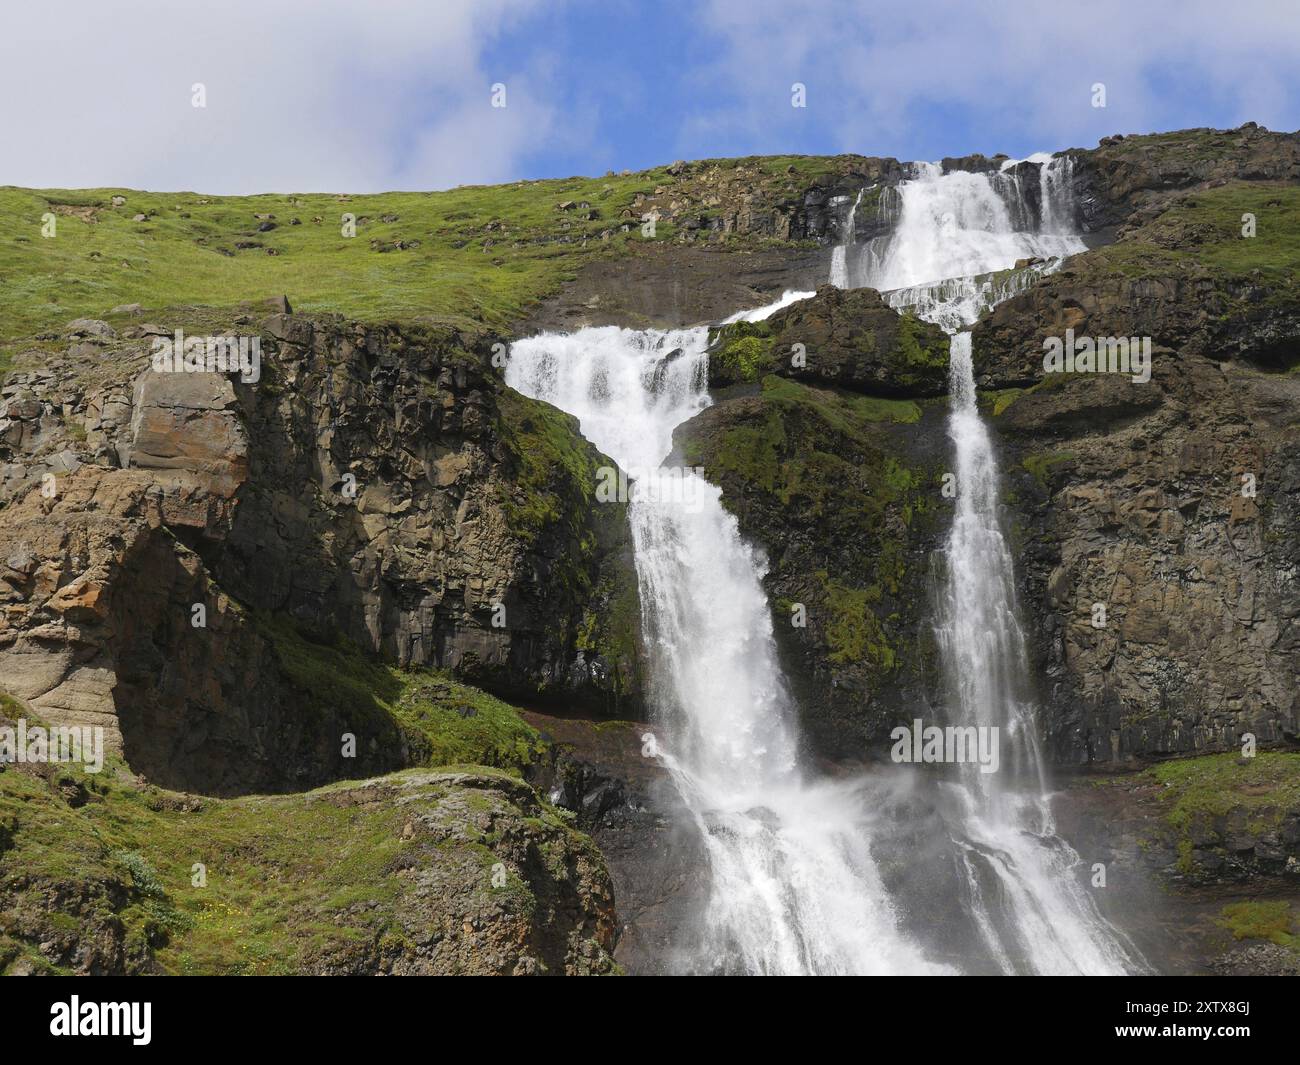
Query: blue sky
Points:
[333, 95]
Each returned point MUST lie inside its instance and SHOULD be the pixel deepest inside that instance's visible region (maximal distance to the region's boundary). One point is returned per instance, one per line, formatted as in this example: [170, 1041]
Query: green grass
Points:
[475, 254]
[290, 878]
[1275, 248]
[1201, 791]
[449, 723]
[1271, 920]
[1214, 785]
[1205, 228]
[185, 252]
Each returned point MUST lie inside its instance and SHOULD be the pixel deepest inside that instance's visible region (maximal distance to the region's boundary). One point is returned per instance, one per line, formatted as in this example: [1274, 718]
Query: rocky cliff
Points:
[1170, 504]
[376, 485]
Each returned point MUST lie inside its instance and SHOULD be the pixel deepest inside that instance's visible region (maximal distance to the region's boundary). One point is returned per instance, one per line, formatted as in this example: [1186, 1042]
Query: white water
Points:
[1024, 884]
[792, 884]
[793, 887]
[840, 255]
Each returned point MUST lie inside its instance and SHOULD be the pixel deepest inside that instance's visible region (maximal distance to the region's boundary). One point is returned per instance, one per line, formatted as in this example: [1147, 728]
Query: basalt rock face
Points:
[729, 234]
[747, 197]
[667, 286]
[1157, 521]
[100, 594]
[376, 485]
[1158, 531]
[1183, 274]
[626, 801]
[432, 515]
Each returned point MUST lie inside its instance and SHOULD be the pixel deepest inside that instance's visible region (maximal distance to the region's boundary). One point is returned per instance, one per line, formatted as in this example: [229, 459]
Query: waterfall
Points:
[840, 254]
[1054, 185]
[792, 884]
[1025, 894]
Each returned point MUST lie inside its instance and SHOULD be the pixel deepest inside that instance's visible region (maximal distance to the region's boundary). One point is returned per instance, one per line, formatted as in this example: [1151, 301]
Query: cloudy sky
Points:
[325, 95]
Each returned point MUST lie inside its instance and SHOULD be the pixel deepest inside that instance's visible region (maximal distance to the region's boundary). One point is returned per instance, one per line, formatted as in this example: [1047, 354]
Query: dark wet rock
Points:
[841, 492]
[626, 801]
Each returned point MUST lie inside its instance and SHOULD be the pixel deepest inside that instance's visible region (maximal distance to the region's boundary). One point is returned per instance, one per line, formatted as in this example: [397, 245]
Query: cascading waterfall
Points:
[792, 883]
[793, 887]
[1024, 893]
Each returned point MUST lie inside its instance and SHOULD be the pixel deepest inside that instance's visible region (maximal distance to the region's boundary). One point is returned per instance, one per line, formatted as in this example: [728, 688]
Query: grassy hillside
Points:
[476, 253]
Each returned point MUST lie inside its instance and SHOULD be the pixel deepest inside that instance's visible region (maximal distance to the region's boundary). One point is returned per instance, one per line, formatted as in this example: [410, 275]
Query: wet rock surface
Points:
[626, 801]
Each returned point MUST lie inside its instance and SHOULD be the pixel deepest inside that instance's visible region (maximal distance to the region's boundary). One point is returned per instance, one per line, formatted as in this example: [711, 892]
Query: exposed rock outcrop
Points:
[1170, 506]
[625, 800]
[841, 490]
[1124, 174]
[1174, 507]
[1183, 275]
[377, 485]
[850, 339]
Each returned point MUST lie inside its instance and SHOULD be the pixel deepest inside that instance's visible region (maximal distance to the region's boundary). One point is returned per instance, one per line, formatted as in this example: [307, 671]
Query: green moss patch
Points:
[1214, 785]
[1041, 465]
[446, 722]
[1272, 921]
[741, 353]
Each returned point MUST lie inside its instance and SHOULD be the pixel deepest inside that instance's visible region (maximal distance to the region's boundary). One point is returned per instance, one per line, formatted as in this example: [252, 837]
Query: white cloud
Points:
[360, 95]
[1020, 67]
[301, 96]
